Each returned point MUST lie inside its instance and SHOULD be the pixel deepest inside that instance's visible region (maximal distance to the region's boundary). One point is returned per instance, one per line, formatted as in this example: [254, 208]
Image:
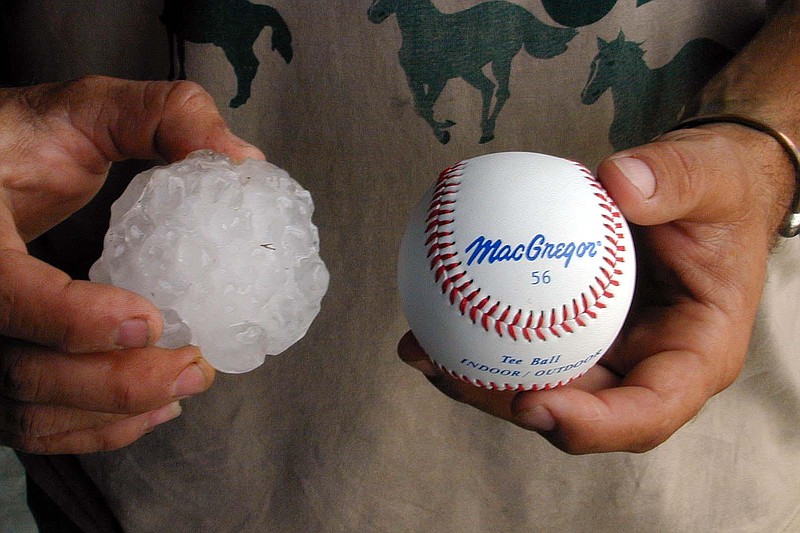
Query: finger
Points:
[65, 135]
[502, 404]
[159, 119]
[654, 401]
[77, 432]
[670, 180]
[672, 364]
[600, 412]
[717, 173]
[179, 132]
[692, 190]
[126, 382]
[26, 420]
[497, 403]
[131, 119]
[412, 354]
[43, 305]
[113, 436]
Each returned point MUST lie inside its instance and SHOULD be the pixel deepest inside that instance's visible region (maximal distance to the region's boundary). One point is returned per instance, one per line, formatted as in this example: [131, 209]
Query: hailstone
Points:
[227, 251]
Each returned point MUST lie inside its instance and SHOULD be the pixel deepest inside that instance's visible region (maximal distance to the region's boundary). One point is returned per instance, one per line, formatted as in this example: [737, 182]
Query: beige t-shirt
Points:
[337, 434]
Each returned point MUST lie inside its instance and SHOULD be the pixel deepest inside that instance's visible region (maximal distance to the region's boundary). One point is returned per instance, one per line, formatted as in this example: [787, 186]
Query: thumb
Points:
[693, 176]
[170, 120]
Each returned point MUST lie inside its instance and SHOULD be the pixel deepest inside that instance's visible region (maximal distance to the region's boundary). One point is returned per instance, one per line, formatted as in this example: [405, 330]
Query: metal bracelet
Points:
[790, 226]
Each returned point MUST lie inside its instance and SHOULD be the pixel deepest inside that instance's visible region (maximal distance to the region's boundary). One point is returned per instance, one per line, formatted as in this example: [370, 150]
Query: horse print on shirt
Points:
[438, 47]
[234, 26]
[577, 13]
[647, 102]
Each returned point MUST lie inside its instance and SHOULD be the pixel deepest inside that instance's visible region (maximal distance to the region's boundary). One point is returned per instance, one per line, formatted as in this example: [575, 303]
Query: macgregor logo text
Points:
[494, 251]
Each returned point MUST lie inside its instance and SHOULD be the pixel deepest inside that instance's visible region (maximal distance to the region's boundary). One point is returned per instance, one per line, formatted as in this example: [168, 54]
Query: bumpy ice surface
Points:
[227, 251]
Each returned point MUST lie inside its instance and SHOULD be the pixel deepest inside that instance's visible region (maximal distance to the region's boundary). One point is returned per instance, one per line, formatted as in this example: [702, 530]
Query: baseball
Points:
[516, 271]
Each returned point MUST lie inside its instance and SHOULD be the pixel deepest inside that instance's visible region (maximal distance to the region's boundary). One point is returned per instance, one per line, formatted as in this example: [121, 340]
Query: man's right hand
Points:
[78, 369]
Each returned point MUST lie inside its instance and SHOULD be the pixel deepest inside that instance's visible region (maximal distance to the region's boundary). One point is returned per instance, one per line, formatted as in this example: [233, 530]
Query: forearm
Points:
[763, 80]
[762, 83]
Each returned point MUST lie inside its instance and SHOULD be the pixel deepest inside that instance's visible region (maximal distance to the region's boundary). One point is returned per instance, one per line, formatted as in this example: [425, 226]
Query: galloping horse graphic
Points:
[234, 26]
[438, 47]
[648, 102]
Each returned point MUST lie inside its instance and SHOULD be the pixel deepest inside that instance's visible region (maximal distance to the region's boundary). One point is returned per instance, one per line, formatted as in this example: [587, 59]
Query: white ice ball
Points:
[227, 251]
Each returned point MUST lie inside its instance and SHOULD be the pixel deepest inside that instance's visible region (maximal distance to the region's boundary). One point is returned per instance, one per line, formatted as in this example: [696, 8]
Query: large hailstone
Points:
[227, 251]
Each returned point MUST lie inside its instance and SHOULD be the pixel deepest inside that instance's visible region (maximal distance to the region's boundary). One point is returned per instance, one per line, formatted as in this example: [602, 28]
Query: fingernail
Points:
[537, 418]
[163, 414]
[248, 149]
[133, 333]
[638, 173]
[190, 382]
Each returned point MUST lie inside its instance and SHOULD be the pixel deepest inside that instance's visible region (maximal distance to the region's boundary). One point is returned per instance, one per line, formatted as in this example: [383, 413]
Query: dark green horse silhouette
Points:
[647, 102]
[438, 47]
[234, 26]
[576, 13]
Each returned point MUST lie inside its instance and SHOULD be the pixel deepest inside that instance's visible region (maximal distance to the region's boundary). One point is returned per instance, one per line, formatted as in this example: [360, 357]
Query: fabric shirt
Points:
[337, 434]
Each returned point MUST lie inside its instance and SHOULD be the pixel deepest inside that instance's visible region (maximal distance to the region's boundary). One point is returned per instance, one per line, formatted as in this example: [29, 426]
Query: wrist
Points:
[776, 156]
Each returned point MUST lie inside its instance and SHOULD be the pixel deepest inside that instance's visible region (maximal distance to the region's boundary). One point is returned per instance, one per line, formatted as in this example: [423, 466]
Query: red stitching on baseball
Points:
[505, 386]
[448, 270]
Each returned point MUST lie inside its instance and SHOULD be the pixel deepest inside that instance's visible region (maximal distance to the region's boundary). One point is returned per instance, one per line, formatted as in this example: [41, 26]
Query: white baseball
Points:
[516, 271]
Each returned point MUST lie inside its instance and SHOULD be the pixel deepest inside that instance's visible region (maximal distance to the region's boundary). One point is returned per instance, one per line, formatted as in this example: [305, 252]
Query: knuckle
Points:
[6, 306]
[20, 377]
[124, 395]
[687, 171]
[65, 335]
[86, 82]
[703, 161]
[30, 445]
[43, 98]
[8, 296]
[126, 398]
[33, 421]
[23, 428]
[188, 95]
[137, 382]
